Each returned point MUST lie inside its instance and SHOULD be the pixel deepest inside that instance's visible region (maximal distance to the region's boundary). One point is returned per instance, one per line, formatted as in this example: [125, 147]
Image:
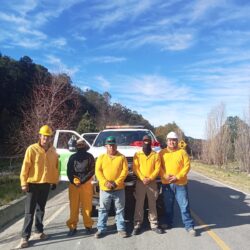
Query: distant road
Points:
[222, 218]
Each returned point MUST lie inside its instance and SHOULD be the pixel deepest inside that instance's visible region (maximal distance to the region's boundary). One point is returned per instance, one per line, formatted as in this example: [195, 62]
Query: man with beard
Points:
[146, 166]
[80, 169]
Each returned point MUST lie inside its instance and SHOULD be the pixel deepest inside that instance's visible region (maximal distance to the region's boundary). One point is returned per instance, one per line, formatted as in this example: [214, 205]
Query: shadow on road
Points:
[219, 207]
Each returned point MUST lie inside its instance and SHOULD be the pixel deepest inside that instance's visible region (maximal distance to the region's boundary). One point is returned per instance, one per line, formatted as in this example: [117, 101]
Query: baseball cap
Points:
[110, 140]
[146, 138]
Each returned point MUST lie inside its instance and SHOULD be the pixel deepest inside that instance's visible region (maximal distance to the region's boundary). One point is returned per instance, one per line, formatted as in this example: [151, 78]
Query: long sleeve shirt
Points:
[39, 166]
[175, 163]
[82, 166]
[146, 166]
[111, 168]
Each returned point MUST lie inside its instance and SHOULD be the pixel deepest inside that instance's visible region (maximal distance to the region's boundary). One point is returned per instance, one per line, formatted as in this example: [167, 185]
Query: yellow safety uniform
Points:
[146, 166]
[39, 166]
[80, 169]
[80, 197]
[175, 163]
[111, 168]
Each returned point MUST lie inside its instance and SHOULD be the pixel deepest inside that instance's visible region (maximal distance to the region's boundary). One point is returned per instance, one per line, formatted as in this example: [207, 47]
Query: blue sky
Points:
[168, 60]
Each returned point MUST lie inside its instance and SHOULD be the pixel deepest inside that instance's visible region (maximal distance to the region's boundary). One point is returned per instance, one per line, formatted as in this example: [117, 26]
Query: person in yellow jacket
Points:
[80, 169]
[175, 165]
[146, 166]
[39, 173]
[111, 170]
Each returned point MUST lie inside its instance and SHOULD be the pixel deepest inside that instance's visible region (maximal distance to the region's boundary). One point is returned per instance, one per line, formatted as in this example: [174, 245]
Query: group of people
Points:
[40, 173]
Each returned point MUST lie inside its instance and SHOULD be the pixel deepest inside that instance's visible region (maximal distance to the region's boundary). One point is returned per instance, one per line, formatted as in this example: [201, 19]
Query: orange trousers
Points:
[80, 197]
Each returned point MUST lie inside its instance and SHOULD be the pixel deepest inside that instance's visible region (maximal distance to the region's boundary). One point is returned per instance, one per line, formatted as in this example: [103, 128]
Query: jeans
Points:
[106, 197]
[180, 193]
[36, 199]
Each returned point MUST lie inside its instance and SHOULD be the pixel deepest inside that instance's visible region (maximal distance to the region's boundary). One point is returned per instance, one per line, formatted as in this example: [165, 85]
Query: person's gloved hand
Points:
[53, 186]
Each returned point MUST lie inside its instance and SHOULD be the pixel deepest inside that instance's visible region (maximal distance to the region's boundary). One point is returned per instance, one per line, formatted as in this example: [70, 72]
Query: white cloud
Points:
[112, 12]
[148, 88]
[105, 84]
[79, 37]
[58, 66]
[11, 18]
[108, 59]
[59, 42]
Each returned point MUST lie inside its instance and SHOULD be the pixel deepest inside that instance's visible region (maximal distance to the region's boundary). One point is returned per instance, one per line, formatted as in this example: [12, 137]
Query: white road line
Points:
[54, 215]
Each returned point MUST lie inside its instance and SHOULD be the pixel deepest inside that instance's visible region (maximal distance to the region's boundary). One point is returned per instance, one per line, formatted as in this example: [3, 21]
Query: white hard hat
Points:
[172, 135]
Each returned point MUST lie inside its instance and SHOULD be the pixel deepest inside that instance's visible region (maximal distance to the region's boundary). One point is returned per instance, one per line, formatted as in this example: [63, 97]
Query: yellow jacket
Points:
[146, 166]
[39, 166]
[113, 168]
[175, 163]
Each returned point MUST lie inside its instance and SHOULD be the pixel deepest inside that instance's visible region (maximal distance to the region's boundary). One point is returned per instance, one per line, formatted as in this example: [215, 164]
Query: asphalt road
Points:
[222, 217]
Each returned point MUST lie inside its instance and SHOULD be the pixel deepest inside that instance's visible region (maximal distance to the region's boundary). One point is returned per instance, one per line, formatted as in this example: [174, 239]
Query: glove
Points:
[53, 186]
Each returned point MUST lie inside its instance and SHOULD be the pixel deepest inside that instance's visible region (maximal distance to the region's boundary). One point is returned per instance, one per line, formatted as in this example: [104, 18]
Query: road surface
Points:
[222, 217]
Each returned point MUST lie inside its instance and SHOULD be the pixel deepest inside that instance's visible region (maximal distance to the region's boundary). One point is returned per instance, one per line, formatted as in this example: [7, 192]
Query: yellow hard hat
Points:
[45, 130]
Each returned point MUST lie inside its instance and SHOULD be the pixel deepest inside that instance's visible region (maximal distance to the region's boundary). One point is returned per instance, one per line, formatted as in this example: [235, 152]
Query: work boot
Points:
[192, 232]
[72, 232]
[123, 234]
[136, 231]
[41, 236]
[23, 244]
[88, 230]
[99, 234]
[166, 226]
[158, 230]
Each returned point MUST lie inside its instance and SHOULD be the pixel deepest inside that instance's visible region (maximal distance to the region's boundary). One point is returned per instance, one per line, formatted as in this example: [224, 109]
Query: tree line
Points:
[227, 140]
[31, 96]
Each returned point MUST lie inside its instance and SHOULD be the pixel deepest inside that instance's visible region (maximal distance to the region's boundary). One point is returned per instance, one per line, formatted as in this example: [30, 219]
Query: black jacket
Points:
[81, 165]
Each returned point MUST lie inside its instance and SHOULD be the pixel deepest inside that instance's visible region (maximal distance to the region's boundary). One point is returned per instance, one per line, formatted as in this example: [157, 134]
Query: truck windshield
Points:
[123, 138]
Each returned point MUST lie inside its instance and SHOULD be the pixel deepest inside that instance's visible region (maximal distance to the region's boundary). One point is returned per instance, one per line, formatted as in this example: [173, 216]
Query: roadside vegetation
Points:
[9, 181]
[228, 175]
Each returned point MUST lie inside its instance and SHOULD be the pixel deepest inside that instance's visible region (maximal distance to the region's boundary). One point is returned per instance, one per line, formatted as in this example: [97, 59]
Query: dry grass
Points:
[240, 181]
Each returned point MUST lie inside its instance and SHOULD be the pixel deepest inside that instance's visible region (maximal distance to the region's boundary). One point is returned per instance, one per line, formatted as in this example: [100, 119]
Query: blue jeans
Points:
[106, 197]
[180, 193]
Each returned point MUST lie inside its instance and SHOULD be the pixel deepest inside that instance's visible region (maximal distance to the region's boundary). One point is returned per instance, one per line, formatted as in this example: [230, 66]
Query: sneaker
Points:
[23, 244]
[192, 232]
[72, 232]
[41, 236]
[136, 231]
[123, 234]
[158, 230]
[99, 234]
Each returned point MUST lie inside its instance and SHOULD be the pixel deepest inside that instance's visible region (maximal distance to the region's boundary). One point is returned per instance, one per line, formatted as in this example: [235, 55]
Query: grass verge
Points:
[240, 181]
[9, 189]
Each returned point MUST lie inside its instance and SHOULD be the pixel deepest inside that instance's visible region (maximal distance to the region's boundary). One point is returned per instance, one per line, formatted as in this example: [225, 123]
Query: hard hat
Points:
[110, 140]
[172, 135]
[45, 130]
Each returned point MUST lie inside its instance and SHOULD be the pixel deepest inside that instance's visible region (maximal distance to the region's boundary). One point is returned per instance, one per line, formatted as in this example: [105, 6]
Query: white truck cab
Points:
[128, 139]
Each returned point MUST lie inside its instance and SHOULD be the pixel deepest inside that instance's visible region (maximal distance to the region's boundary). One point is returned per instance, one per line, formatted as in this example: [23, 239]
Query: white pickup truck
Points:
[128, 139]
